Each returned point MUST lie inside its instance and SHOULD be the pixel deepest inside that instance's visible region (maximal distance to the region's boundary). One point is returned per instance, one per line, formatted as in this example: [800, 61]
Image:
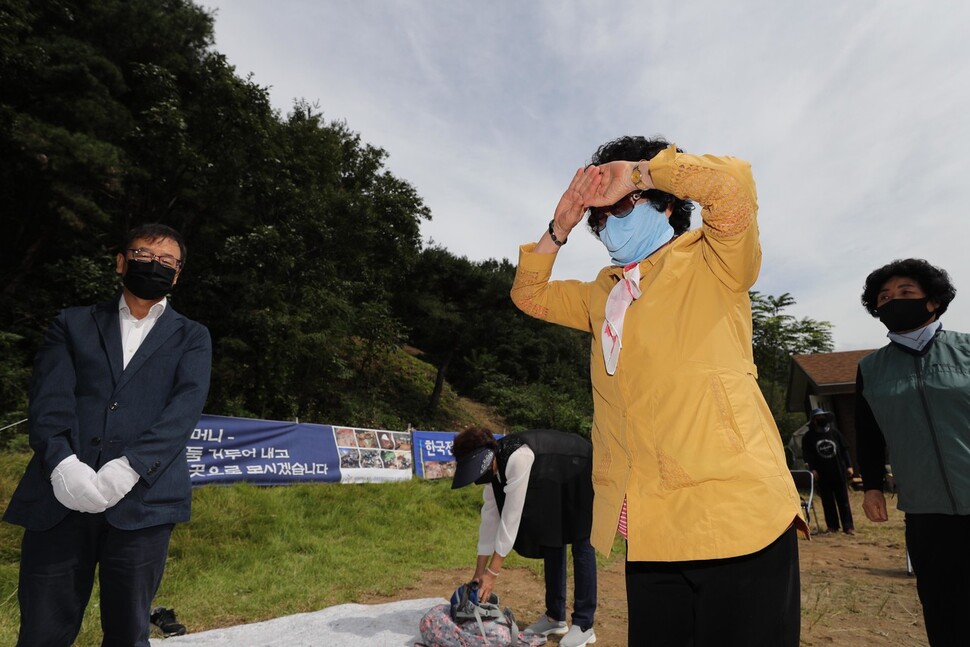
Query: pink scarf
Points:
[621, 297]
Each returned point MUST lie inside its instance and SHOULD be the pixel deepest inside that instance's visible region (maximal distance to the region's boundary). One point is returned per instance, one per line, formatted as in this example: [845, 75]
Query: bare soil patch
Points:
[855, 590]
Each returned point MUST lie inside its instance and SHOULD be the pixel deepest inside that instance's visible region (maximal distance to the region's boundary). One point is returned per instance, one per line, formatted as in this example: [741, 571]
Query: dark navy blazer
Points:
[83, 402]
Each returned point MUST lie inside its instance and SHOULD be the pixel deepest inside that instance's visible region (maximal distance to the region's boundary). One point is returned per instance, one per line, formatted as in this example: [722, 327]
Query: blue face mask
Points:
[634, 237]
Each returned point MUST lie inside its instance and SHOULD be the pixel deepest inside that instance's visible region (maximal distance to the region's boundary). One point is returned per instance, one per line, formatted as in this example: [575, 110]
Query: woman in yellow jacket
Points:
[687, 462]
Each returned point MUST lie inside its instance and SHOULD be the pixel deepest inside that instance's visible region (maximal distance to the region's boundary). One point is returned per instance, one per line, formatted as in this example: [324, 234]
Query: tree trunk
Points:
[439, 381]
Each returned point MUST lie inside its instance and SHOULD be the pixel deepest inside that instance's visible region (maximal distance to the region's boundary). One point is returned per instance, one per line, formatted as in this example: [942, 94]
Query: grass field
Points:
[256, 553]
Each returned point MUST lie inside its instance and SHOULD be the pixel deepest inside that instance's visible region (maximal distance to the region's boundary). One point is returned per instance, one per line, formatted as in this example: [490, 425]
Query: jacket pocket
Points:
[602, 456]
[726, 424]
[698, 435]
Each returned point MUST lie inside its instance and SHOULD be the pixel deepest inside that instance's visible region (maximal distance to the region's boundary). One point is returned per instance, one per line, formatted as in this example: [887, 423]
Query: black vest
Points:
[558, 506]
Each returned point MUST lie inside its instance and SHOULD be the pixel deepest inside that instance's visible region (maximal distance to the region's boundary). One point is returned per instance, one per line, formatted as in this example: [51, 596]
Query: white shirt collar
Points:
[154, 312]
[916, 339]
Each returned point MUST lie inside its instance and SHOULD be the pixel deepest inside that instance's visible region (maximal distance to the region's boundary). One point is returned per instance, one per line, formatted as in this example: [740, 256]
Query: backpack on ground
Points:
[466, 605]
[468, 622]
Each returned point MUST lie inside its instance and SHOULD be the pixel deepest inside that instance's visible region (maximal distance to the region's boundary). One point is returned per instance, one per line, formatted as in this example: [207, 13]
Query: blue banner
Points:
[432, 454]
[263, 452]
[269, 452]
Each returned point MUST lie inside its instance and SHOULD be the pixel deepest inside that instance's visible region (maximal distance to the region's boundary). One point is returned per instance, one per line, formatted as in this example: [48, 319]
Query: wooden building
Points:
[826, 380]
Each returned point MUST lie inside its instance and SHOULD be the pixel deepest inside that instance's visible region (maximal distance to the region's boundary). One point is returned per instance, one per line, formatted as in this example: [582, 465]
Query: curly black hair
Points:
[632, 148]
[934, 281]
[471, 440]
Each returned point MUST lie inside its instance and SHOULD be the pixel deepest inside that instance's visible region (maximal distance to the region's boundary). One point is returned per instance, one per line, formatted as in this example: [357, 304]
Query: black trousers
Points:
[834, 494]
[748, 601]
[939, 548]
[57, 569]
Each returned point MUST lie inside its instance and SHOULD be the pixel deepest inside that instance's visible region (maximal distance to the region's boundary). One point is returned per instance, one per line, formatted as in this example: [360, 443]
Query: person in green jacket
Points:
[913, 398]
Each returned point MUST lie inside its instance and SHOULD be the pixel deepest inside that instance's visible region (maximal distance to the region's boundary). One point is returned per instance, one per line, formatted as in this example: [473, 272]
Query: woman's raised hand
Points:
[573, 203]
[616, 182]
[595, 186]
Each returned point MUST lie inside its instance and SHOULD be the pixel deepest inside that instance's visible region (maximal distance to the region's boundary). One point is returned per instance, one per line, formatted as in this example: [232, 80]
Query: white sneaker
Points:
[545, 626]
[578, 638]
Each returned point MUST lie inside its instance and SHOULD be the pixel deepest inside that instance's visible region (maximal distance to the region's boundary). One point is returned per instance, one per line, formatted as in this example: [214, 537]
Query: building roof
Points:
[822, 374]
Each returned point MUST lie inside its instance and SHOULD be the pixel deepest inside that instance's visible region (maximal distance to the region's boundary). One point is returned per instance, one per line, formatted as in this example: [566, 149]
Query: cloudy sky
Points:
[855, 118]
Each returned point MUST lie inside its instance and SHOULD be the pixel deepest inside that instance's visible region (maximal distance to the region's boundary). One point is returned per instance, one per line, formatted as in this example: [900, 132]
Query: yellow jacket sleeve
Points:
[560, 302]
[725, 189]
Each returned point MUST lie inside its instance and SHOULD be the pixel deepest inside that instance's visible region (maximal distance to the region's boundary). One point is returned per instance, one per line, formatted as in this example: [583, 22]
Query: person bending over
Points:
[538, 497]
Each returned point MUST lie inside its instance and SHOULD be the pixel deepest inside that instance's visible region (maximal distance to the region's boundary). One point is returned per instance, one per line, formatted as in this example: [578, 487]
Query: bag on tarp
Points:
[466, 605]
[468, 622]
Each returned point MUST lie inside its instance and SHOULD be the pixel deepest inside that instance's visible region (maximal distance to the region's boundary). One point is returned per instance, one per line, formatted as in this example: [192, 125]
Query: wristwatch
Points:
[637, 177]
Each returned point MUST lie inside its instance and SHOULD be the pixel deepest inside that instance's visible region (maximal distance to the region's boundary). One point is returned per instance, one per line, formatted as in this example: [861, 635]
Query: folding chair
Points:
[805, 484]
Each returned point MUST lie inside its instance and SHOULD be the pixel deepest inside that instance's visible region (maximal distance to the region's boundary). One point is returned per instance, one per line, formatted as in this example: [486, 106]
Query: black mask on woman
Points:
[904, 314]
[148, 281]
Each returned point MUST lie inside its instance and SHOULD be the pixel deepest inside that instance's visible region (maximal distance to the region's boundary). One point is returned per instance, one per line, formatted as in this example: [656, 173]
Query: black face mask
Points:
[904, 314]
[148, 281]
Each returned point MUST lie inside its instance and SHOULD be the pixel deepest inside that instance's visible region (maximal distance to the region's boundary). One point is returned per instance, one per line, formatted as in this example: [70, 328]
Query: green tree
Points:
[460, 315]
[776, 336]
[305, 257]
[117, 112]
[68, 118]
[301, 300]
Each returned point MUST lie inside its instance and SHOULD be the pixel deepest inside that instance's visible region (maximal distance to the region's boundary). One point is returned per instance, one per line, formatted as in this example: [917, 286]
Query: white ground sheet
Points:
[347, 625]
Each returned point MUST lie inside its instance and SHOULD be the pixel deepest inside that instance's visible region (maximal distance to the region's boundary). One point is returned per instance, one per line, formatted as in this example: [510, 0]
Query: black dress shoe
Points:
[165, 620]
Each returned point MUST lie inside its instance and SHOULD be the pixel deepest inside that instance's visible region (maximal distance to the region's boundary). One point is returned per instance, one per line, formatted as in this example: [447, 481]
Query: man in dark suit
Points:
[117, 388]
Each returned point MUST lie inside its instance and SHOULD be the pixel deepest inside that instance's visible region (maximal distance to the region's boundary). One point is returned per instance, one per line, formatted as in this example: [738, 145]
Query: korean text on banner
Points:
[263, 452]
[432, 454]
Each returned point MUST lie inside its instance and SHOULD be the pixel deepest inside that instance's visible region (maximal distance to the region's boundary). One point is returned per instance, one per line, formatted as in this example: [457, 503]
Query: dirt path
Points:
[855, 590]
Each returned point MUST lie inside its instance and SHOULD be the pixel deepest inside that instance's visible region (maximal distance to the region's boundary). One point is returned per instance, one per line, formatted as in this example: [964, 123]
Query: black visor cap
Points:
[472, 467]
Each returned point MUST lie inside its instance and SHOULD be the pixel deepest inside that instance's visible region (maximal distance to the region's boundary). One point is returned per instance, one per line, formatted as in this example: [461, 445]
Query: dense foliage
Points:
[305, 257]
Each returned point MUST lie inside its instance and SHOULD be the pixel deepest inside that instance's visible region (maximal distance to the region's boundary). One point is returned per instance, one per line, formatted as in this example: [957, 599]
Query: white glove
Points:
[75, 487]
[115, 479]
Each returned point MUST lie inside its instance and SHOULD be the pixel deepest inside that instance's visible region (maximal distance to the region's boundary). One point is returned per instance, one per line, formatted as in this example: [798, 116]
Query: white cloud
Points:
[854, 118]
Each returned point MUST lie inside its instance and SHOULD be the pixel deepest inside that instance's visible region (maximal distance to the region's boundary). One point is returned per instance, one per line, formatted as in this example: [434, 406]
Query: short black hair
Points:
[632, 148]
[155, 231]
[934, 281]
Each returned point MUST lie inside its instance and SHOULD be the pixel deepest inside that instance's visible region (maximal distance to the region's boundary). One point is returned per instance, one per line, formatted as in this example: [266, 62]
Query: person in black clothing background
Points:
[827, 455]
